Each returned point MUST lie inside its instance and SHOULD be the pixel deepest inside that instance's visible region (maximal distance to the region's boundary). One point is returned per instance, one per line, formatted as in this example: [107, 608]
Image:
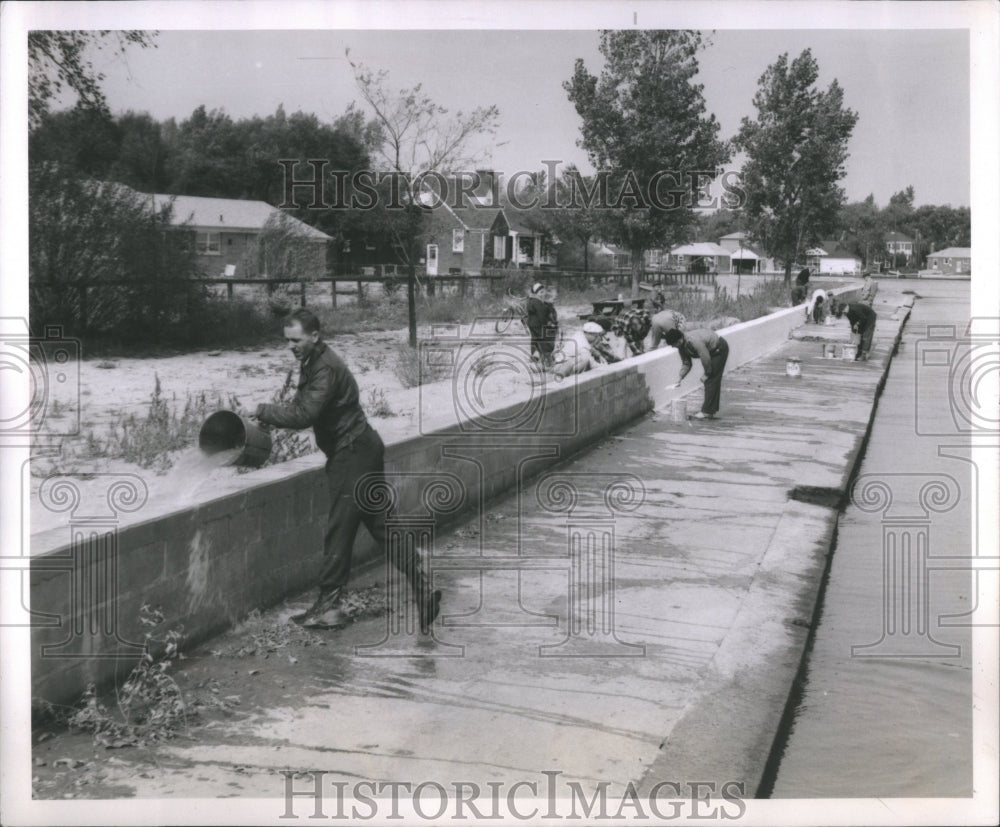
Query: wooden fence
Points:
[491, 279]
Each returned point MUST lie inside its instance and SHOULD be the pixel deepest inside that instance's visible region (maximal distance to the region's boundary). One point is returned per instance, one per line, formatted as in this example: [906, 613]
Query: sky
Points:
[910, 88]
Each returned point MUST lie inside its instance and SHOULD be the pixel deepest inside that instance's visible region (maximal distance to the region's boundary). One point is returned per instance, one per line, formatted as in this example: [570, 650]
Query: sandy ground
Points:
[111, 389]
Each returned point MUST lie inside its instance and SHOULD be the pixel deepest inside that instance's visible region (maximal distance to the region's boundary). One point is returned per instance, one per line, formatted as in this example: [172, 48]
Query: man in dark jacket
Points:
[543, 324]
[327, 399]
[713, 351]
[862, 319]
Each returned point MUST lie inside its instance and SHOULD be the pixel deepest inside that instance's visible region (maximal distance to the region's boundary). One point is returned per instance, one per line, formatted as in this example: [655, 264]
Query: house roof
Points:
[895, 236]
[228, 213]
[702, 248]
[952, 252]
[736, 236]
[833, 249]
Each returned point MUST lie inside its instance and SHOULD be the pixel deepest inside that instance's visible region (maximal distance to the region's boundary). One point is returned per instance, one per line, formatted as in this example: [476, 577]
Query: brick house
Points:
[228, 233]
[468, 232]
[953, 261]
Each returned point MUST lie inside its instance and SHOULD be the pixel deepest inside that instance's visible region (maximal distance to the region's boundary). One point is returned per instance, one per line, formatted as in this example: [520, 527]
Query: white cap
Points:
[537, 287]
[592, 327]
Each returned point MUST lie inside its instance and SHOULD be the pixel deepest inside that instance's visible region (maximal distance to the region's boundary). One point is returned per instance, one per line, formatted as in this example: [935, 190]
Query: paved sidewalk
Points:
[661, 649]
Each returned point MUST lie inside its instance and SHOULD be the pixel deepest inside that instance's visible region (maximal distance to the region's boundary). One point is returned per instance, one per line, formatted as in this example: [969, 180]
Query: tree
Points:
[899, 210]
[99, 258]
[796, 149]
[864, 223]
[720, 223]
[59, 59]
[646, 133]
[415, 137]
[559, 210]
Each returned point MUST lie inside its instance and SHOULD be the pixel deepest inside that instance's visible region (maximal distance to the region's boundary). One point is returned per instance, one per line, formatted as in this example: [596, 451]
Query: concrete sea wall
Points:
[258, 538]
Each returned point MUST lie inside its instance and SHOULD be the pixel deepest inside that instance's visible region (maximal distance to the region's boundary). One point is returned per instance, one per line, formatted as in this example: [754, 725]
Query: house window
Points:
[207, 244]
[457, 240]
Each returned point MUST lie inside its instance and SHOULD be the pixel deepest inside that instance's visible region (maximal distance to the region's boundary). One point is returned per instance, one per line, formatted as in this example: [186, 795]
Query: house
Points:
[702, 257]
[466, 232]
[899, 243]
[228, 233]
[953, 261]
[832, 258]
[744, 257]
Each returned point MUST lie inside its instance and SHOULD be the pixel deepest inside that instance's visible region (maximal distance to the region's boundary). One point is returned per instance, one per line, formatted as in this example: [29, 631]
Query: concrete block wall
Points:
[259, 539]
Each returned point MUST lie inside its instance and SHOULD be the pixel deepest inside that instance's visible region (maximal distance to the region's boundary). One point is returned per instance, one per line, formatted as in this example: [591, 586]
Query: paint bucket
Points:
[228, 431]
[849, 351]
[793, 367]
[678, 411]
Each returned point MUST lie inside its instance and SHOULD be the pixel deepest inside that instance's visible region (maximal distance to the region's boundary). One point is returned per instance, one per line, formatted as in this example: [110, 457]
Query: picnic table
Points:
[614, 305]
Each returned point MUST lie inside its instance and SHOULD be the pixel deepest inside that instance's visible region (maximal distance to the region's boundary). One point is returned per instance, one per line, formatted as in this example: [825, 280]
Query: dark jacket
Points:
[541, 316]
[327, 399]
[861, 316]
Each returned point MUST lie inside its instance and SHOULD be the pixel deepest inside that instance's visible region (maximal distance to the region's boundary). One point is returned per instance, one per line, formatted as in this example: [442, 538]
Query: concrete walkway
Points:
[636, 615]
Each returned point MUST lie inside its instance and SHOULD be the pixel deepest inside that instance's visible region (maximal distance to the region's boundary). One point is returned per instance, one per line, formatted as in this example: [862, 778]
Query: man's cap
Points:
[592, 327]
[537, 287]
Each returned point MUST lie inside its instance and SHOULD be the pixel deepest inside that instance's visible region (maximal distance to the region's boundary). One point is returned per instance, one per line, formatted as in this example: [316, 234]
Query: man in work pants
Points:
[862, 319]
[327, 399]
[713, 351]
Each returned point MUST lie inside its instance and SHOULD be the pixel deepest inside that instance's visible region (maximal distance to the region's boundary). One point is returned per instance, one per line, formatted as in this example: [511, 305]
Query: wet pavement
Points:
[634, 615]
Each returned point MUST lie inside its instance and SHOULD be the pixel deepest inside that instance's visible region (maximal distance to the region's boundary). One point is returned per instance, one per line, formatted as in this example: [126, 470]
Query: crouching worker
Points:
[862, 319]
[582, 351]
[327, 400]
[713, 351]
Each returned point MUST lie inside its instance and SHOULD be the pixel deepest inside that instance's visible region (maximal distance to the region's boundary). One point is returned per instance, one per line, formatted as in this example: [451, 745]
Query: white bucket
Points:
[678, 411]
[793, 367]
[849, 351]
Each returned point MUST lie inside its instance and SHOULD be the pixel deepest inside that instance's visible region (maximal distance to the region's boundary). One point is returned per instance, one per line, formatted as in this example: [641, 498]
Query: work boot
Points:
[325, 613]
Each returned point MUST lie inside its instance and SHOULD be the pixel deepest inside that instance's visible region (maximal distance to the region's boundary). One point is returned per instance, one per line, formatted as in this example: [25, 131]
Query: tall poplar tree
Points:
[796, 149]
[647, 134]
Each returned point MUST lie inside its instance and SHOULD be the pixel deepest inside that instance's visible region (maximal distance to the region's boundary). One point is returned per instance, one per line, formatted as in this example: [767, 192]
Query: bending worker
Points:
[327, 399]
[862, 319]
[713, 351]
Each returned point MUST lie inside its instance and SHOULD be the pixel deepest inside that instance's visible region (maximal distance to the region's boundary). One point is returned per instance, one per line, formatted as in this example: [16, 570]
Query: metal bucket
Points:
[849, 351]
[228, 431]
[678, 411]
[793, 367]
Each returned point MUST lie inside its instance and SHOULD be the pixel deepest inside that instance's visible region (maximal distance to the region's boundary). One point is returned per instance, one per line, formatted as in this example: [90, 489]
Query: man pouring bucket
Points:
[327, 400]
